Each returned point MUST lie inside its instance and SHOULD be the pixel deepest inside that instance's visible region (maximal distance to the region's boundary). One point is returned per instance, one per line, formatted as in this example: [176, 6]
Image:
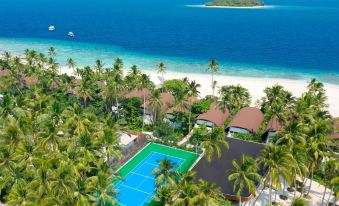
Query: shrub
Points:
[248, 137]
[165, 133]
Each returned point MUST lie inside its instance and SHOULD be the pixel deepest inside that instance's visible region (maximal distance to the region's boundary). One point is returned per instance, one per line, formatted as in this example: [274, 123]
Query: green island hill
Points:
[235, 3]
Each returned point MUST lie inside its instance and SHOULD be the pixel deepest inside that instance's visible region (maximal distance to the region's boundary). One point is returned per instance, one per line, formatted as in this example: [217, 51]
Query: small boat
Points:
[71, 34]
[51, 28]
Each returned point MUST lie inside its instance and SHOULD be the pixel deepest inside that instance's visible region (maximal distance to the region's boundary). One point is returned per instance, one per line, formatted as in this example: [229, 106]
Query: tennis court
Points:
[138, 184]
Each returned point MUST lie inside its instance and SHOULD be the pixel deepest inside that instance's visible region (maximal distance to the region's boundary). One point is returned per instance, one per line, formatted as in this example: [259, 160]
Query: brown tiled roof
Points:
[192, 100]
[167, 100]
[101, 84]
[336, 124]
[4, 73]
[334, 136]
[248, 118]
[76, 81]
[30, 81]
[274, 126]
[215, 115]
[139, 93]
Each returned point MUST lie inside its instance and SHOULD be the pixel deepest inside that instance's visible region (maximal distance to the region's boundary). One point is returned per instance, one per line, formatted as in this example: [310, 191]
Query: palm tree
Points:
[244, 176]
[316, 144]
[192, 92]
[162, 70]
[276, 103]
[213, 143]
[99, 65]
[299, 153]
[52, 52]
[278, 162]
[155, 103]
[71, 64]
[165, 174]
[213, 67]
[214, 86]
[234, 97]
[118, 66]
[145, 82]
[108, 138]
[299, 202]
[187, 191]
[104, 188]
[330, 170]
[209, 195]
[292, 135]
[164, 195]
[20, 194]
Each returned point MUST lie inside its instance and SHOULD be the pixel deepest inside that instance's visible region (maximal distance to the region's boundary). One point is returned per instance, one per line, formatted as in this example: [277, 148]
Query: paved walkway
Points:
[316, 195]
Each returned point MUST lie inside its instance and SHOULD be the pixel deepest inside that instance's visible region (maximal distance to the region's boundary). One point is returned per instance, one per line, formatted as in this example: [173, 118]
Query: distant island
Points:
[235, 3]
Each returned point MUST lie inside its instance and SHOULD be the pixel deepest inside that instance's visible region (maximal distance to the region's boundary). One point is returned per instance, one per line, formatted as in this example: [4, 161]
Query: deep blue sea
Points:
[295, 39]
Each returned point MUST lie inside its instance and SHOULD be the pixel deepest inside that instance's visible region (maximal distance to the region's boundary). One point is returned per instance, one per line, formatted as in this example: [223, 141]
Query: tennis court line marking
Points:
[175, 148]
[179, 165]
[136, 189]
[143, 175]
[152, 164]
[169, 156]
[136, 167]
[132, 157]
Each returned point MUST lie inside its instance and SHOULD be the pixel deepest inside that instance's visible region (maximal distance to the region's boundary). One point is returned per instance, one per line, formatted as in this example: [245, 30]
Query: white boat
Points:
[71, 34]
[51, 28]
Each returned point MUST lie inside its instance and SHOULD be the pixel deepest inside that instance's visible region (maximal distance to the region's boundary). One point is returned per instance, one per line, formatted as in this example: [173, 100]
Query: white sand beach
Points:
[255, 86]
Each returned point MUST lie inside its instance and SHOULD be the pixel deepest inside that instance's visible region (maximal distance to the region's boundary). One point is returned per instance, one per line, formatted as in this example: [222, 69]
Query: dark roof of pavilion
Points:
[216, 170]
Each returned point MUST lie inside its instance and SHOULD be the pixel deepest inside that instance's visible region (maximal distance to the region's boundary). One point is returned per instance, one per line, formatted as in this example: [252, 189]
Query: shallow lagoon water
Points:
[293, 39]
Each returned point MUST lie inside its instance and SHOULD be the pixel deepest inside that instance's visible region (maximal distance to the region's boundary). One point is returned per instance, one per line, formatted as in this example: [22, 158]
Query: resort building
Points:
[216, 170]
[172, 112]
[127, 140]
[247, 120]
[214, 117]
[29, 81]
[4, 73]
[272, 128]
[167, 101]
[143, 94]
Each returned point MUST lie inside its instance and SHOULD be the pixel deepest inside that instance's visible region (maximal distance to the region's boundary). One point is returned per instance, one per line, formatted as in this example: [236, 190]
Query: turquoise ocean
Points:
[293, 39]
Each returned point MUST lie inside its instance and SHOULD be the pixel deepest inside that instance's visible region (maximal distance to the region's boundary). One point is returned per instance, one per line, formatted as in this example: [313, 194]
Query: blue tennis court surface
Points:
[138, 186]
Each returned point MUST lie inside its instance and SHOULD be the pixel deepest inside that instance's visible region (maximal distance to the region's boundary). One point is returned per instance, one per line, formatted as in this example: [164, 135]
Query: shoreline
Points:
[255, 85]
[232, 7]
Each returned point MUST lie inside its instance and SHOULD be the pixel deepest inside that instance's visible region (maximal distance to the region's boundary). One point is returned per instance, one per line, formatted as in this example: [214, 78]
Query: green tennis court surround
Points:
[138, 184]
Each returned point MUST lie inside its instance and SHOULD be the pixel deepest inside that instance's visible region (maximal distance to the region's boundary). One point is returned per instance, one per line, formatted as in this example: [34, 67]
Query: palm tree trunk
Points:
[212, 84]
[329, 196]
[256, 199]
[304, 181]
[295, 186]
[335, 200]
[189, 120]
[323, 198]
[308, 192]
[116, 101]
[270, 193]
[143, 118]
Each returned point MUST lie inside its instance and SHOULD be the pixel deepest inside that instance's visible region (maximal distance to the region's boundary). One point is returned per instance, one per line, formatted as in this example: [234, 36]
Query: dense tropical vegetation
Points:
[59, 134]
